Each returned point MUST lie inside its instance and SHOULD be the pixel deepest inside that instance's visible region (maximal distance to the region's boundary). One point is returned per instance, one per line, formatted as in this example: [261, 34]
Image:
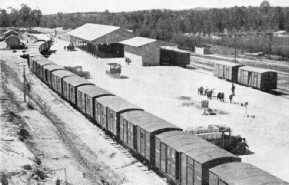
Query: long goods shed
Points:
[141, 51]
[89, 37]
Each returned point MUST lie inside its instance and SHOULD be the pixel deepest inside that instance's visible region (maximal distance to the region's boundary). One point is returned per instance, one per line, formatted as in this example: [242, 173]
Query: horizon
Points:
[55, 6]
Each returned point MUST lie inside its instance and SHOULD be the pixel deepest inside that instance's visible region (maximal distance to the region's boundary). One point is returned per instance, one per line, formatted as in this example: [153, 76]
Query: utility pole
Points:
[235, 49]
[24, 85]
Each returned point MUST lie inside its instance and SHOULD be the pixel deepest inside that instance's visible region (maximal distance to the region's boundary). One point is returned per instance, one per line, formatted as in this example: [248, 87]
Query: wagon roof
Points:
[203, 155]
[35, 54]
[116, 104]
[93, 91]
[43, 61]
[138, 41]
[38, 57]
[244, 173]
[186, 144]
[63, 73]
[257, 70]
[10, 31]
[147, 121]
[77, 81]
[12, 36]
[174, 48]
[165, 135]
[53, 67]
[228, 63]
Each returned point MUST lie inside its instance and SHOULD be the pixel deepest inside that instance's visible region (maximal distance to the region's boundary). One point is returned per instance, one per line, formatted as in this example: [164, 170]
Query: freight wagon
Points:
[47, 74]
[59, 76]
[86, 96]
[226, 70]
[262, 79]
[242, 174]
[172, 56]
[70, 85]
[108, 112]
[138, 130]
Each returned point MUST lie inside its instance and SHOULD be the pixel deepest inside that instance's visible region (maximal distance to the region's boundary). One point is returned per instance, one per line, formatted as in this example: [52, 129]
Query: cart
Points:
[113, 70]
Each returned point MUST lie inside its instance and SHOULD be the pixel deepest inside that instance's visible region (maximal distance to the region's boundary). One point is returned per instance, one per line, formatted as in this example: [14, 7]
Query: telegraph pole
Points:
[24, 88]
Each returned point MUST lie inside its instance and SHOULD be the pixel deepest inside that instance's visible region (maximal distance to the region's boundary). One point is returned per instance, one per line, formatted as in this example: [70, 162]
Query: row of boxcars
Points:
[182, 157]
[262, 79]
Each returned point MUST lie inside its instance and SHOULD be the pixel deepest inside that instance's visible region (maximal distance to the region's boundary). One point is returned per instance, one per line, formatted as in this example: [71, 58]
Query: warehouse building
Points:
[141, 51]
[94, 38]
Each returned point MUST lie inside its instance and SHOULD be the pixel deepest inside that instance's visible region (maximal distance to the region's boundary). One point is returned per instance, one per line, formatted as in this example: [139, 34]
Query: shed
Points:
[12, 41]
[93, 38]
[70, 85]
[262, 79]
[9, 33]
[173, 56]
[242, 174]
[227, 70]
[138, 130]
[202, 50]
[141, 51]
[108, 112]
[86, 96]
[59, 75]
[47, 74]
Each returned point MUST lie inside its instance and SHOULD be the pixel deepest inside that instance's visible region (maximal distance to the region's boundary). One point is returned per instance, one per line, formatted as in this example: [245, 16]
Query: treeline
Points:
[25, 17]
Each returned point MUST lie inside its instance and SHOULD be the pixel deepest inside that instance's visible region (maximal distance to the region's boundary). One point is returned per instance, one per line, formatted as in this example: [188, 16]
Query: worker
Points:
[231, 98]
[58, 181]
[233, 89]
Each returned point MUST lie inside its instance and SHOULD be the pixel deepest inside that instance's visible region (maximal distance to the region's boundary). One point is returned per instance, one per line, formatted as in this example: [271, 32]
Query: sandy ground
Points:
[159, 90]
[88, 153]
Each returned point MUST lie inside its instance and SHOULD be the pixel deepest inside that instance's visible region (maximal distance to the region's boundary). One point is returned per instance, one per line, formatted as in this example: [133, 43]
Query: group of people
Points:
[220, 96]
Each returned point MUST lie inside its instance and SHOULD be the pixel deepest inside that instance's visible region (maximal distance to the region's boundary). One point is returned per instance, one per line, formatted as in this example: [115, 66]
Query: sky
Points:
[70, 6]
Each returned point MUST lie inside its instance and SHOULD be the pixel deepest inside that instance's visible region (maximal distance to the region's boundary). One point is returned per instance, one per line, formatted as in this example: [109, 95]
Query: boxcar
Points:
[262, 79]
[108, 110]
[32, 61]
[70, 85]
[199, 159]
[58, 76]
[167, 151]
[47, 74]
[242, 174]
[138, 130]
[86, 96]
[226, 70]
[173, 56]
[39, 66]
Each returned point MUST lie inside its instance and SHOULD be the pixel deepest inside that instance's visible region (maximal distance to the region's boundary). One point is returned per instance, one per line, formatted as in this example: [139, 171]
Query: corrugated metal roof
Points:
[138, 41]
[244, 173]
[255, 69]
[53, 67]
[203, 155]
[228, 63]
[147, 121]
[93, 91]
[116, 103]
[76, 81]
[91, 32]
[63, 73]
[174, 48]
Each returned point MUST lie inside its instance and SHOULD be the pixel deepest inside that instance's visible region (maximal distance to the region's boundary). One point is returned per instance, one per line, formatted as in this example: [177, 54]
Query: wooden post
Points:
[235, 49]
[65, 175]
[24, 84]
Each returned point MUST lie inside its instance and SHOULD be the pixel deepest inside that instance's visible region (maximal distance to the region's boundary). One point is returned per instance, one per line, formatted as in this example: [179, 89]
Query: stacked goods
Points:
[211, 132]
